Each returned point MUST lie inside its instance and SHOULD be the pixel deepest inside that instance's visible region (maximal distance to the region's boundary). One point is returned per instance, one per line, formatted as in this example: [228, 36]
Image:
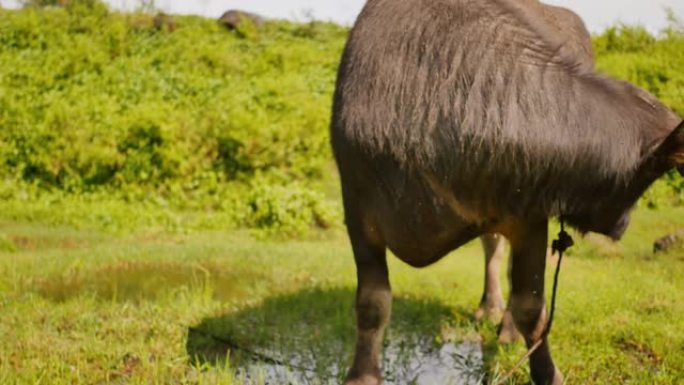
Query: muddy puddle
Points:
[308, 337]
[449, 364]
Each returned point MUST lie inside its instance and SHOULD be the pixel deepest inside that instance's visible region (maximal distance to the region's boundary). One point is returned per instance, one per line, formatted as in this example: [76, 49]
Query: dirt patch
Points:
[639, 351]
[26, 243]
[135, 281]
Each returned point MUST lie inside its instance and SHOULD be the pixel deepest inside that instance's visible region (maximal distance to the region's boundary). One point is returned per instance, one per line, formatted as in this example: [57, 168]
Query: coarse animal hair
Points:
[489, 97]
[458, 118]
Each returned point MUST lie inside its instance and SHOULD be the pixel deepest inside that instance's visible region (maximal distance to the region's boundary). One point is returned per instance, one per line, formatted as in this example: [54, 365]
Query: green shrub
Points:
[98, 102]
[287, 209]
[197, 126]
[654, 63]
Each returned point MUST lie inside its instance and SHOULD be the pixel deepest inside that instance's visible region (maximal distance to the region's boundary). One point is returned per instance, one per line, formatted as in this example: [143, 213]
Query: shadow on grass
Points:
[308, 337]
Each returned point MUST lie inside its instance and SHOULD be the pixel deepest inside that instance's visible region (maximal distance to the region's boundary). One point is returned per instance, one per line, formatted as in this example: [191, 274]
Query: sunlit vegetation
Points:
[174, 119]
[141, 154]
[97, 105]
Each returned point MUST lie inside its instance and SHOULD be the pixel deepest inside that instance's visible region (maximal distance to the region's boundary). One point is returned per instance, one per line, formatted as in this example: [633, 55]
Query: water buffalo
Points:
[492, 304]
[457, 118]
[231, 19]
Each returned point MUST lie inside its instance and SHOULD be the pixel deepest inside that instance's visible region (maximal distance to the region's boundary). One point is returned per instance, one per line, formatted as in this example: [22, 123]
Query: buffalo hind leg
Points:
[373, 304]
[528, 259]
[492, 302]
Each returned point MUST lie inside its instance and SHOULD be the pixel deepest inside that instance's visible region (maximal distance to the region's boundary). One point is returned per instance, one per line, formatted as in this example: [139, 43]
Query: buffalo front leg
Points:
[373, 305]
[528, 259]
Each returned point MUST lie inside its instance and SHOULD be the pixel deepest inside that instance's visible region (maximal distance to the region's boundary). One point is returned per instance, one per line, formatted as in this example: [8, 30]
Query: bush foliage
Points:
[193, 117]
[197, 116]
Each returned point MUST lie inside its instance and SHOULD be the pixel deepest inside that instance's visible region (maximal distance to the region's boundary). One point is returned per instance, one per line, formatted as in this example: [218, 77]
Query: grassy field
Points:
[146, 172]
[81, 307]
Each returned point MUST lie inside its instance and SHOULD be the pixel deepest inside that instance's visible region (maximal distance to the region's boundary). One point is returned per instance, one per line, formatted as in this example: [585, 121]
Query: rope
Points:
[560, 245]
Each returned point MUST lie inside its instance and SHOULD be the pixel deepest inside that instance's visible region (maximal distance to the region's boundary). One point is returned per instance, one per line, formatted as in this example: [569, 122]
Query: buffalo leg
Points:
[492, 303]
[373, 304]
[528, 258]
[507, 330]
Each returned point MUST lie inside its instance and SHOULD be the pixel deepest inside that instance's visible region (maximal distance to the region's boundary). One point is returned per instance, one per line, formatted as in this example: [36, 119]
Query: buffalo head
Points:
[612, 218]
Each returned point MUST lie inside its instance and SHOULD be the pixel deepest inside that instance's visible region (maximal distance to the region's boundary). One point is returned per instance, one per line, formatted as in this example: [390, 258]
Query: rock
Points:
[669, 241]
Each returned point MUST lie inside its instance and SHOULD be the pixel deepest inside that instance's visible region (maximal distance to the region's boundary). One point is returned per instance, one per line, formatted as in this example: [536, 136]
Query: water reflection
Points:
[310, 334]
[450, 364]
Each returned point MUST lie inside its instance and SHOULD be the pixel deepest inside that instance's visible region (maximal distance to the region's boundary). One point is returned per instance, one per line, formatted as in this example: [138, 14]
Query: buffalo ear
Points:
[677, 158]
[672, 149]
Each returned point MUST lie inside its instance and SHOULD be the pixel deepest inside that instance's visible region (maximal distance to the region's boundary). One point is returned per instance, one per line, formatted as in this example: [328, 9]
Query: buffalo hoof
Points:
[508, 333]
[363, 380]
[557, 378]
[493, 313]
[491, 310]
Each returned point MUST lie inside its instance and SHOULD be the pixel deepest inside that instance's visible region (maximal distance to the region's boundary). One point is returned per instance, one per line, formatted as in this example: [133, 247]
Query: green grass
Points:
[83, 307]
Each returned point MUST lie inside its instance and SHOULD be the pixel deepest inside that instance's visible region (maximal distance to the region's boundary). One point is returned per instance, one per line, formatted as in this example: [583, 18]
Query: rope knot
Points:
[563, 242]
